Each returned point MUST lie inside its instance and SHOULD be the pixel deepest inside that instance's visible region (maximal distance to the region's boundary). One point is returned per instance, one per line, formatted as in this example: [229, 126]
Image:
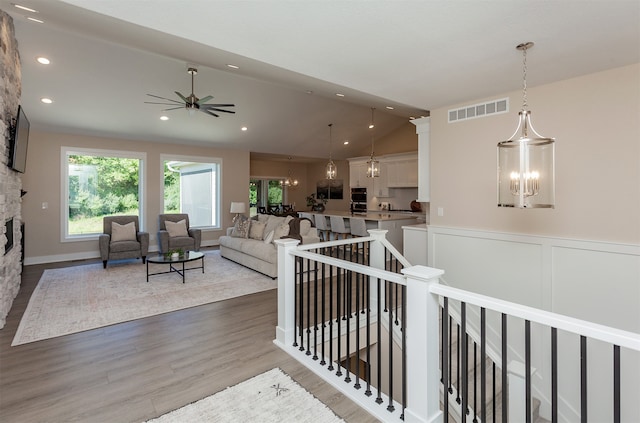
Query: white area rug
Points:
[270, 397]
[80, 298]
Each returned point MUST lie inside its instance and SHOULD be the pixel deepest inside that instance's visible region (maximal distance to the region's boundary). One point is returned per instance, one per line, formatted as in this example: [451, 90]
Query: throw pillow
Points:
[281, 230]
[123, 232]
[257, 230]
[178, 228]
[241, 228]
[268, 237]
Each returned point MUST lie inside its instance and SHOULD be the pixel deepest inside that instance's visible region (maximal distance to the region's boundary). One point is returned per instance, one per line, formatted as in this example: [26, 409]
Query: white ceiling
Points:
[412, 55]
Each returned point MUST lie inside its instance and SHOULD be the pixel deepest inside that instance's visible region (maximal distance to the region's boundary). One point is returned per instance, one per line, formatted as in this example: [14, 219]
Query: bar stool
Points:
[359, 229]
[309, 216]
[324, 229]
[340, 227]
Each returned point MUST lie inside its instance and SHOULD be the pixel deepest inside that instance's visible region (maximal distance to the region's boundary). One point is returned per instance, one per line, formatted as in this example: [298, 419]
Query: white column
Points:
[423, 129]
[422, 332]
[285, 331]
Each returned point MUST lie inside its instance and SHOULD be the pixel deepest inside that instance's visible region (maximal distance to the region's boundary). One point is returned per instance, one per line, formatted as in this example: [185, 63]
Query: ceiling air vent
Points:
[475, 111]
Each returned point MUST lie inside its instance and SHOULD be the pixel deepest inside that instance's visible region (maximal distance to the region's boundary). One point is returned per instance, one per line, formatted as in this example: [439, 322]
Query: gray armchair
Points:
[189, 241]
[124, 243]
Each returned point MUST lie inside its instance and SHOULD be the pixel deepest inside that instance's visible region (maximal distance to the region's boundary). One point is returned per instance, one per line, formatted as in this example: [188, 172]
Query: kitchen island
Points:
[391, 222]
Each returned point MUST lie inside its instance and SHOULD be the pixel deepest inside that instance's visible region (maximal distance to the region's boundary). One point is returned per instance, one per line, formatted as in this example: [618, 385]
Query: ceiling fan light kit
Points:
[191, 102]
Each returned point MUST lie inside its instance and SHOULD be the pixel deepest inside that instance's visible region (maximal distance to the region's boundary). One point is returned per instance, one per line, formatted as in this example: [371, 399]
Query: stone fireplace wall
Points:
[10, 181]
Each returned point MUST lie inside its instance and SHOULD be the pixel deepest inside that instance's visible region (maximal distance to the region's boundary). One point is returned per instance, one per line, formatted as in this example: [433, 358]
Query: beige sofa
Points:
[250, 242]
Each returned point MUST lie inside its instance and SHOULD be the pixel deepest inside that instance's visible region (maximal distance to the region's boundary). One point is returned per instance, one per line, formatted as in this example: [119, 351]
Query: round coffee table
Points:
[187, 257]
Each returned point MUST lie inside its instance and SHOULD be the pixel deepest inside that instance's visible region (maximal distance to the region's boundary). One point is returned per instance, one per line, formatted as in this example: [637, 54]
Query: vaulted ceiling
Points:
[293, 57]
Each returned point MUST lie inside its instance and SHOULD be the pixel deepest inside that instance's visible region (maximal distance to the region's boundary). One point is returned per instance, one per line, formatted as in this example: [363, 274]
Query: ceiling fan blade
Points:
[209, 112]
[217, 105]
[173, 108]
[167, 104]
[217, 110]
[163, 98]
[204, 100]
[182, 97]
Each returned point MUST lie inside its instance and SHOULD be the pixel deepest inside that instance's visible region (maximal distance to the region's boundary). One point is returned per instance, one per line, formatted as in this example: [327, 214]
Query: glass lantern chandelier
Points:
[373, 165]
[332, 169]
[289, 181]
[526, 161]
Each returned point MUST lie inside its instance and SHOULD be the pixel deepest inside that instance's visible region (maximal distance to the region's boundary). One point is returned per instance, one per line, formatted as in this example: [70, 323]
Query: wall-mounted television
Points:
[19, 141]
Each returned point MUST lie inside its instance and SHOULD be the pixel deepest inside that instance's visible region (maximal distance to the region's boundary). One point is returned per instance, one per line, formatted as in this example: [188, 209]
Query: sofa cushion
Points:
[305, 225]
[251, 247]
[272, 223]
[123, 246]
[175, 229]
[268, 238]
[256, 231]
[123, 232]
[241, 228]
[280, 231]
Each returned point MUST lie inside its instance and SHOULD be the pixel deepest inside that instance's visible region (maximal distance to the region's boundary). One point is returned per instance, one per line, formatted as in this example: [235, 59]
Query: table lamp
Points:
[238, 208]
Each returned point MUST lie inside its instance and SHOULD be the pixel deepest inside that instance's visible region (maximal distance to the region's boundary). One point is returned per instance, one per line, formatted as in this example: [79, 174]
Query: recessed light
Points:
[229, 65]
[389, 108]
[340, 94]
[164, 117]
[28, 9]
[35, 20]
[346, 142]
[43, 60]
[46, 100]
[309, 92]
[244, 128]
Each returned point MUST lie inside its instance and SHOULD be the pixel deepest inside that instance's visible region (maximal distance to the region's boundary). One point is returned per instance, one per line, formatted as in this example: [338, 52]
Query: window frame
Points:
[67, 151]
[196, 159]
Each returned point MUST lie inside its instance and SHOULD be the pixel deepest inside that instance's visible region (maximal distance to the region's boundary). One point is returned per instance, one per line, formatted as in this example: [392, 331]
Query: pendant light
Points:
[332, 170]
[526, 162]
[289, 182]
[373, 165]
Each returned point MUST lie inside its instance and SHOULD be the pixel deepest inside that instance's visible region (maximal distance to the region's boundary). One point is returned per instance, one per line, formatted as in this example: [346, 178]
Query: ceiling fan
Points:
[191, 102]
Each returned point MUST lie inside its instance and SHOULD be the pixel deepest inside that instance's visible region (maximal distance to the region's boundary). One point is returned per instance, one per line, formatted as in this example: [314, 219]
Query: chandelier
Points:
[289, 181]
[526, 161]
[373, 165]
[332, 170]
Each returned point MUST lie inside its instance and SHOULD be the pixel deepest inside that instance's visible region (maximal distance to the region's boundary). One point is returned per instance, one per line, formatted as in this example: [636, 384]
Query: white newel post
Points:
[285, 331]
[423, 361]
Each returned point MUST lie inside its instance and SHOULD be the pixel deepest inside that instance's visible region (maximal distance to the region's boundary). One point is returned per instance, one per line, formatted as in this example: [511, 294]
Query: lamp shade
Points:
[238, 207]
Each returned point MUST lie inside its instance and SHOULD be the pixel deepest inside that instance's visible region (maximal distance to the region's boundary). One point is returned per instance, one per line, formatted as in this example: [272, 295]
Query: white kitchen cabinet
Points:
[358, 175]
[402, 173]
[380, 185]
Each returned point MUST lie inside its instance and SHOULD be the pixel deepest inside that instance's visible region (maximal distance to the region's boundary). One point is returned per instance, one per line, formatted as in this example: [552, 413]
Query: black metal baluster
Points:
[483, 364]
[338, 322]
[323, 315]
[379, 344]
[450, 352]
[301, 300]
[358, 278]
[315, 310]
[475, 382]
[554, 375]
[446, 355]
[458, 359]
[505, 393]
[330, 319]
[464, 361]
[494, 391]
[583, 379]
[527, 367]
[308, 314]
[367, 392]
[347, 332]
[616, 384]
[390, 407]
[404, 350]
[296, 307]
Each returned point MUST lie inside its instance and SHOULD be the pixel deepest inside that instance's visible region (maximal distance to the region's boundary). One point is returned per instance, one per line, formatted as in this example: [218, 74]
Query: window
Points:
[264, 193]
[192, 185]
[99, 183]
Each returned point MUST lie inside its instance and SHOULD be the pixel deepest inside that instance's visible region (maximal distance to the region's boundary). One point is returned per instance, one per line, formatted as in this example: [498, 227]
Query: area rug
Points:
[79, 298]
[270, 397]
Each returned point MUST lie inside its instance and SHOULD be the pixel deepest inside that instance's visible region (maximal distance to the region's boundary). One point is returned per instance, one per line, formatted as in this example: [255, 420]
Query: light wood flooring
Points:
[138, 370]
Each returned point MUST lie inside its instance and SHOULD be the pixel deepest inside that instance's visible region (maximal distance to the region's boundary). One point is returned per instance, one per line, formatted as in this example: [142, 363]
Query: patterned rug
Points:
[80, 298]
[270, 397]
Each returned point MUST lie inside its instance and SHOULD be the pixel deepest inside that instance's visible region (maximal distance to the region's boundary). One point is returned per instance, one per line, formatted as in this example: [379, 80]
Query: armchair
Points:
[172, 236]
[121, 238]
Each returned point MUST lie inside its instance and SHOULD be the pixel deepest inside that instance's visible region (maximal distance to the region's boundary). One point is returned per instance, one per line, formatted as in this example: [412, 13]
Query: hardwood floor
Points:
[134, 371]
